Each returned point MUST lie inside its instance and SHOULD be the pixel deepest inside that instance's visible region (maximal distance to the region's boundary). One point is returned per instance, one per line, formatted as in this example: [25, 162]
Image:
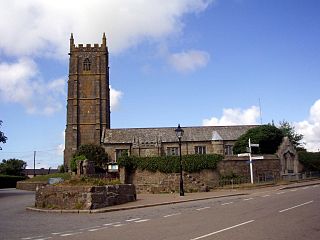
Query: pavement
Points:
[151, 200]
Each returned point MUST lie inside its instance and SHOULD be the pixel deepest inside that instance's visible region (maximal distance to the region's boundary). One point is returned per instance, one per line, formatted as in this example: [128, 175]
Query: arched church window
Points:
[86, 65]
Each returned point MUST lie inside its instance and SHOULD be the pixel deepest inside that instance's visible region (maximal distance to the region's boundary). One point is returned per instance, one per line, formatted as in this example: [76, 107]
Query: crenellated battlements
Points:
[88, 47]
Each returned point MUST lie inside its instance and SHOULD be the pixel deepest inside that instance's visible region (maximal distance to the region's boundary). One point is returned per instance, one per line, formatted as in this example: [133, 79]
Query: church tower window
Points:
[86, 65]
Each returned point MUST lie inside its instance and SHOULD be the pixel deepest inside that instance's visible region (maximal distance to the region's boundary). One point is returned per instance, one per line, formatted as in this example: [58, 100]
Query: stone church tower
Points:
[88, 106]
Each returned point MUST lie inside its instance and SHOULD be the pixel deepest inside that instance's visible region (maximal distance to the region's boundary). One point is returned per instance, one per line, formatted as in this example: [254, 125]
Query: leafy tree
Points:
[61, 168]
[12, 167]
[310, 160]
[3, 138]
[290, 132]
[268, 136]
[74, 160]
[93, 153]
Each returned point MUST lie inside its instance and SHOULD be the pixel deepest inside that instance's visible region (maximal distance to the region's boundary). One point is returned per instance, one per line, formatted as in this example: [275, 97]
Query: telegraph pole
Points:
[34, 163]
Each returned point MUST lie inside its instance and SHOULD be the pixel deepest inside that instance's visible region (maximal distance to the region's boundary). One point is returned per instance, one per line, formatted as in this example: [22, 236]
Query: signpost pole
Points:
[250, 161]
[248, 154]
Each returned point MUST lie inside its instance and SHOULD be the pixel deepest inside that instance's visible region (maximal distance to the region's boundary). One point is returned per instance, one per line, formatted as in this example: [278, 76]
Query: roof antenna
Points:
[260, 112]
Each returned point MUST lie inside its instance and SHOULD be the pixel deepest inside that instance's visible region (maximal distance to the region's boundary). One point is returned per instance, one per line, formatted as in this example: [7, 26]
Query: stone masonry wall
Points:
[29, 186]
[150, 182]
[155, 182]
[269, 166]
[84, 197]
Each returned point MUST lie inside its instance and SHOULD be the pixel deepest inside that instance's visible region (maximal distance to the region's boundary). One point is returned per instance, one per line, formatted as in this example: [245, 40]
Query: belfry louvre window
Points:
[172, 151]
[86, 65]
[200, 150]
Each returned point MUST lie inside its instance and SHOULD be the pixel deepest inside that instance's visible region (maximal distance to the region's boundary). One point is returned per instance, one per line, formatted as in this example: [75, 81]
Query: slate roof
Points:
[167, 134]
[41, 171]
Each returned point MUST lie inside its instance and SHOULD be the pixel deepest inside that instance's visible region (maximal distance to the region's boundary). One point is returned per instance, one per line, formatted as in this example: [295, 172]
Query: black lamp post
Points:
[179, 132]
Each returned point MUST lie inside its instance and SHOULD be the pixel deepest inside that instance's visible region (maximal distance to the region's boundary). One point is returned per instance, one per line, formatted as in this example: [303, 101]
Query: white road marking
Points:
[133, 219]
[82, 229]
[110, 224]
[266, 195]
[36, 238]
[173, 214]
[96, 229]
[70, 234]
[57, 233]
[28, 238]
[227, 203]
[222, 230]
[247, 199]
[119, 225]
[200, 209]
[287, 209]
[142, 220]
[281, 193]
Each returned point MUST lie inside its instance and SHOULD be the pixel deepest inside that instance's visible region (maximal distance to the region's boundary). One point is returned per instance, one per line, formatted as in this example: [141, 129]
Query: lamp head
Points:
[179, 132]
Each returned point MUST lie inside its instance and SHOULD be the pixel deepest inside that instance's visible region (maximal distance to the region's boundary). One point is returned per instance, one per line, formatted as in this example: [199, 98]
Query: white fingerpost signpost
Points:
[250, 157]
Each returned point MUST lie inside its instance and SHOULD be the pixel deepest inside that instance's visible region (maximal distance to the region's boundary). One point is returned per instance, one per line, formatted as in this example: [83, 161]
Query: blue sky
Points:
[194, 62]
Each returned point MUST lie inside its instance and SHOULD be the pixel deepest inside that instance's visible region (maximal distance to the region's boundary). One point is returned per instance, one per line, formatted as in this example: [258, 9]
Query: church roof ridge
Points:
[184, 127]
[167, 134]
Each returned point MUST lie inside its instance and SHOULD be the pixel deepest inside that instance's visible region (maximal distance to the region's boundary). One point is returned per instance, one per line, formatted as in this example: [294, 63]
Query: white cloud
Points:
[189, 61]
[20, 82]
[311, 128]
[60, 147]
[34, 27]
[14, 84]
[115, 97]
[235, 116]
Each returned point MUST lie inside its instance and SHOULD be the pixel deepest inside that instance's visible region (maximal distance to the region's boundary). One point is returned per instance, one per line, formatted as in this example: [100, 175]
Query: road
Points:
[270, 214]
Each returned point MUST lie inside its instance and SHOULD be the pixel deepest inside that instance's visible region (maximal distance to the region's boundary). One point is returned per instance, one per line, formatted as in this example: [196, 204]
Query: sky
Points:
[193, 62]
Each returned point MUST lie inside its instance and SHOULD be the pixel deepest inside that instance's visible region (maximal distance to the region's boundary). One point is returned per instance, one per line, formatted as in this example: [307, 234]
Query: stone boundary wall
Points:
[157, 182]
[205, 180]
[29, 186]
[84, 197]
[268, 166]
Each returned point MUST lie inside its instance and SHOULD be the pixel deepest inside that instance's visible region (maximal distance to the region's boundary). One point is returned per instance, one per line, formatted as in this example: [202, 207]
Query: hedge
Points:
[171, 164]
[310, 160]
[7, 181]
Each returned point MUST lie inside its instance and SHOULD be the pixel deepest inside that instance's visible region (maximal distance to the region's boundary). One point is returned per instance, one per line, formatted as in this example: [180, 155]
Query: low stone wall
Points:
[205, 180]
[239, 166]
[84, 197]
[157, 182]
[29, 186]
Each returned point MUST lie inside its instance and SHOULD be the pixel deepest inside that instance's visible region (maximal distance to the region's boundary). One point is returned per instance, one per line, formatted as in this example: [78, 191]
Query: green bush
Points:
[171, 164]
[93, 152]
[8, 181]
[268, 137]
[74, 160]
[310, 160]
[13, 167]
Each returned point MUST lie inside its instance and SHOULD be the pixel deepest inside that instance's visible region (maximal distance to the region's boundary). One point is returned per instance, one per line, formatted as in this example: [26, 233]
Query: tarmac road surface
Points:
[263, 214]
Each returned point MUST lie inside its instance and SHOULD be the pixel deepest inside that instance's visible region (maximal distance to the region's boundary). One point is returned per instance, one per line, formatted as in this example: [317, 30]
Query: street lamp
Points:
[179, 132]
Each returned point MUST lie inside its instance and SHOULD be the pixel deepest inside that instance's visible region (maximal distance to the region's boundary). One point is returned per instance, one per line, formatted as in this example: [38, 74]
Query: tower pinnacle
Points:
[71, 41]
[104, 40]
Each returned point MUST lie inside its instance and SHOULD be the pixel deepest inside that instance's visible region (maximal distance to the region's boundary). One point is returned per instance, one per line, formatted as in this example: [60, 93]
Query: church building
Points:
[88, 117]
